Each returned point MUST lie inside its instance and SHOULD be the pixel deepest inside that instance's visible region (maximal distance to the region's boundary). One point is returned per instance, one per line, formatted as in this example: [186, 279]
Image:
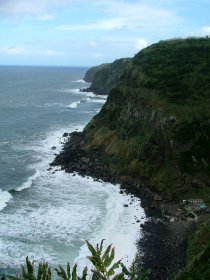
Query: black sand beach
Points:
[162, 246]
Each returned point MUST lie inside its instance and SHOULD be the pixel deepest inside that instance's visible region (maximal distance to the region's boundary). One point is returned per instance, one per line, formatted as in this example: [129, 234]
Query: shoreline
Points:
[162, 244]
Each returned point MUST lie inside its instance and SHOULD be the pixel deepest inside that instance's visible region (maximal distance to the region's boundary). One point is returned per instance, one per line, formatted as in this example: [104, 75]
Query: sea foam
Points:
[94, 100]
[4, 198]
[80, 81]
[28, 183]
[51, 219]
[74, 105]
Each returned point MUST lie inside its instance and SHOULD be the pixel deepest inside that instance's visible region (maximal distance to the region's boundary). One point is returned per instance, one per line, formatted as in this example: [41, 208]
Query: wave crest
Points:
[28, 183]
[4, 198]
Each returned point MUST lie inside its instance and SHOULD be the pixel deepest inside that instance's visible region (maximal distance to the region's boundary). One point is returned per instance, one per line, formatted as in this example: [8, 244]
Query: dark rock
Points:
[155, 252]
[197, 184]
[85, 159]
[158, 198]
[53, 147]
[66, 134]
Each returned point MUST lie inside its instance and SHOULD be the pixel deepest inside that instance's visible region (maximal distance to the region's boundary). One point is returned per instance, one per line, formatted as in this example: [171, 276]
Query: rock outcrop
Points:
[105, 76]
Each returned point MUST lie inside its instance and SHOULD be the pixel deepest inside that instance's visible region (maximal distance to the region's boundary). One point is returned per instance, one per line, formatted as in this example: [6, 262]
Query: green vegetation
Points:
[155, 124]
[104, 268]
[198, 255]
[155, 128]
[105, 76]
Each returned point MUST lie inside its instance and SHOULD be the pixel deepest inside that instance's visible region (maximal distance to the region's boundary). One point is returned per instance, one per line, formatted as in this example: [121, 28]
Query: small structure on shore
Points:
[197, 205]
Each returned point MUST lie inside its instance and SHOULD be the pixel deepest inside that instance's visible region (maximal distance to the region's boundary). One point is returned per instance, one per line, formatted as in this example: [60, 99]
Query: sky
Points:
[87, 33]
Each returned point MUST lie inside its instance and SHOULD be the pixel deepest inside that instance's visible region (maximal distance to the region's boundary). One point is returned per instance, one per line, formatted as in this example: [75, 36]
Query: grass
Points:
[198, 255]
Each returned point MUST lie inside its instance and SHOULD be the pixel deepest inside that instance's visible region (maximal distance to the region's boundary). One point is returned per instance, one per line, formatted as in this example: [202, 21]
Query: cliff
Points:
[155, 125]
[105, 76]
[153, 137]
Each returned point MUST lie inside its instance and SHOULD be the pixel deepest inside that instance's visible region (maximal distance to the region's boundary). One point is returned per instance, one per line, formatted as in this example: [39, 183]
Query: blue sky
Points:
[85, 33]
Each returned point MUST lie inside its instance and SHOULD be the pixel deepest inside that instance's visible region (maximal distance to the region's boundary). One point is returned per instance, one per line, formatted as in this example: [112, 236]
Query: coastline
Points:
[162, 244]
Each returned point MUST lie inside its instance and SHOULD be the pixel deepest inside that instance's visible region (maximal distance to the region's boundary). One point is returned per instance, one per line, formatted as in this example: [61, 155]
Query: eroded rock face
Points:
[105, 76]
[155, 123]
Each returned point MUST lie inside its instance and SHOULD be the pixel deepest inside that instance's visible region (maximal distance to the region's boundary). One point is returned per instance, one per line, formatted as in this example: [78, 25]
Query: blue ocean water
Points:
[46, 214]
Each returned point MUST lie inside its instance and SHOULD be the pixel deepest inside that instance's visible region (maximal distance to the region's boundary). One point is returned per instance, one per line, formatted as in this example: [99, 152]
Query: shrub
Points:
[104, 268]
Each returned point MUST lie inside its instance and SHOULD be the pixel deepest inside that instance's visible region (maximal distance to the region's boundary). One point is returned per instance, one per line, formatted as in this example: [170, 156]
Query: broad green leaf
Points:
[13, 277]
[119, 276]
[84, 273]
[125, 270]
[24, 273]
[74, 272]
[101, 247]
[96, 276]
[61, 273]
[108, 260]
[44, 272]
[49, 274]
[112, 269]
[30, 268]
[68, 271]
[97, 264]
[91, 249]
[106, 254]
[40, 272]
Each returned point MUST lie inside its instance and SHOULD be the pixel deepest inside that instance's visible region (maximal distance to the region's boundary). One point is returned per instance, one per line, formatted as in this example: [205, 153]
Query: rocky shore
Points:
[162, 245]
[97, 91]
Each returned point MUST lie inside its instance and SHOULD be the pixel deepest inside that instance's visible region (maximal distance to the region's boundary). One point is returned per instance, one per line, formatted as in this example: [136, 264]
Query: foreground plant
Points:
[104, 268]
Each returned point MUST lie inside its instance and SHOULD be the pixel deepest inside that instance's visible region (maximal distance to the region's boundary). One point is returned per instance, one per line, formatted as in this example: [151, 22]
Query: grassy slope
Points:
[105, 76]
[155, 124]
[198, 255]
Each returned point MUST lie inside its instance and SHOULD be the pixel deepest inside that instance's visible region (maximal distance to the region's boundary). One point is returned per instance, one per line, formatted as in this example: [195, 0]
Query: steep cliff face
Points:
[155, 125]
[105, 76]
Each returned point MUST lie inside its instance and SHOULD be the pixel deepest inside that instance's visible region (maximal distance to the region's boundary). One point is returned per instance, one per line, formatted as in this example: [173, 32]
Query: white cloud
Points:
[206, 30]
[140, 44]
[142, 14]
[96, 55]
[19, 50]
[45, 17]
[13, 50]
[52, 53]
[124, 15]
[92, 44]
[109, 24]
[118, 14]
[203, 31]
[40, 9]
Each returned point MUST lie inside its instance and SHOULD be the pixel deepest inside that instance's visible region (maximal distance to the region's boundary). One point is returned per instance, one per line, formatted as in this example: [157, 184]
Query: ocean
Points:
[44, 214]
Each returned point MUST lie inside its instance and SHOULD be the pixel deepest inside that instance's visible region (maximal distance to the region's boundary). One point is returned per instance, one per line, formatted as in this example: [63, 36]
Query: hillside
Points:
[105, 76]
[155, 125]
[153, 137]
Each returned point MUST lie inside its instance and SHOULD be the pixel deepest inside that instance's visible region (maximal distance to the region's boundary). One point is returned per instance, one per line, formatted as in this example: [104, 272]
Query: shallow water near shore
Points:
[47, 214]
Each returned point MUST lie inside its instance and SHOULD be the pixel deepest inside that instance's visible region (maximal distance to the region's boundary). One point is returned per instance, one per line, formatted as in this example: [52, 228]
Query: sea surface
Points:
[46, 215]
